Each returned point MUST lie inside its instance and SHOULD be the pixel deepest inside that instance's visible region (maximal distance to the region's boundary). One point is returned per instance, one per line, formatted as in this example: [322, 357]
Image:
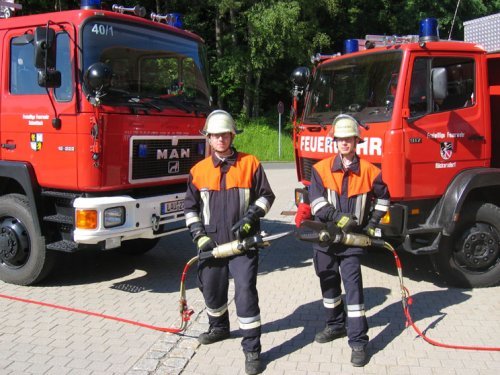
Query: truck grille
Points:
[306, 166]
[158, 158]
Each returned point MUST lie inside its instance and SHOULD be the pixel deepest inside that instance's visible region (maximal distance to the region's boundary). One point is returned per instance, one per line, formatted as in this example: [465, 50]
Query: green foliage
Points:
[260, 137]
[260, 42]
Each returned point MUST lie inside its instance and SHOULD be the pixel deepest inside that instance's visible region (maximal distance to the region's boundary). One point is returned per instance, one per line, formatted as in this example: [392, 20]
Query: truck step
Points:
[64, 245]
[60, 219]
[60, 194]
[424, 229]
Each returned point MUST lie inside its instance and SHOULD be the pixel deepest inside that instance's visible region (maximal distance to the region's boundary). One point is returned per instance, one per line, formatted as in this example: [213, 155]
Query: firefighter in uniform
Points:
[227, 194]
[343, 190]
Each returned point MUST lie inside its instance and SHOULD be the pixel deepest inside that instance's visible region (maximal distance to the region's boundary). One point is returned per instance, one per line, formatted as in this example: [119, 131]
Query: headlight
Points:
[114, 217]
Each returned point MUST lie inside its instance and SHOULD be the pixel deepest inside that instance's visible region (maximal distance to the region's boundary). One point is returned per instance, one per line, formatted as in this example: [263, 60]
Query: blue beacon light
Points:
[351, 45]
[428, 31]
[90, 4]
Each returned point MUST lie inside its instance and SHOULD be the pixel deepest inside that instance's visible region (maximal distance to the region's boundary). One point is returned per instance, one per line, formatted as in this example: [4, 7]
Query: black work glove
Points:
[249, 224]
[205, 243]
[197, 230]
[370, 228]
[346, 222]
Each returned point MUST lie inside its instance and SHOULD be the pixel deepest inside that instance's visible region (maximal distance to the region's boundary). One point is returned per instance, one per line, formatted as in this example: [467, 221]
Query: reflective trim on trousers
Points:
[355, 311]
[331, 303]
[249, 323]
[217, 312]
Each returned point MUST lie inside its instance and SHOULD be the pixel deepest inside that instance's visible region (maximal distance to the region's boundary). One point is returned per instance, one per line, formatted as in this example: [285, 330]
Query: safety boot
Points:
[213, 335]
[359, 358]
[329, 334]
[252, 363]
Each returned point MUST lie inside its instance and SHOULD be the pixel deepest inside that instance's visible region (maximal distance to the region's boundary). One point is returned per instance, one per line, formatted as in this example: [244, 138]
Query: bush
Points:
[260, 138]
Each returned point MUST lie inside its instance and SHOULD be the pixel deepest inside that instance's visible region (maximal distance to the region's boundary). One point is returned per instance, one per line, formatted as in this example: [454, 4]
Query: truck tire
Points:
[471, 256]
[24, 259]
[139, 246]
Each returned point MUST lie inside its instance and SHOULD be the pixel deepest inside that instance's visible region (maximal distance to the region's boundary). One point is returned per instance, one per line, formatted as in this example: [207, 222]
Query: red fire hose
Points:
[183, 309]
[407, 301]
[186, 313]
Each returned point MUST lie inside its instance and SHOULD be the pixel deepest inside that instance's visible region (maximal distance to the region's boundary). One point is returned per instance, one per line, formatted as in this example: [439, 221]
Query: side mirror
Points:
[439, 83]
[49, 78]
[300, 76]
[45, 48]
[97, 78]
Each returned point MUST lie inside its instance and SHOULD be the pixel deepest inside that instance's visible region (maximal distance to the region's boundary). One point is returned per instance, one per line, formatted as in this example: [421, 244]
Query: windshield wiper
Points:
[198, 107]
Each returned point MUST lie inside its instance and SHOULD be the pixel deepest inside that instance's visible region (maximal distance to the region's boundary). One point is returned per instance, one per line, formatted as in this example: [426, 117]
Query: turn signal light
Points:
[386, 219]
[86, 219]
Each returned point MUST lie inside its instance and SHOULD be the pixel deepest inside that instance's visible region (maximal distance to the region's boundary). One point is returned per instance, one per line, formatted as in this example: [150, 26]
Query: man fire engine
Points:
[100, 113]
[430, 109]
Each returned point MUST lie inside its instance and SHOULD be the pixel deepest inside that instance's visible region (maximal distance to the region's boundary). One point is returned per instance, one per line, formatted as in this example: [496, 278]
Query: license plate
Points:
[172, 206]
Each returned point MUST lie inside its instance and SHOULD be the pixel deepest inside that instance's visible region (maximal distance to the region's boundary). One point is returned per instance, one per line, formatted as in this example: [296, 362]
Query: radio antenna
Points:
[453, 22]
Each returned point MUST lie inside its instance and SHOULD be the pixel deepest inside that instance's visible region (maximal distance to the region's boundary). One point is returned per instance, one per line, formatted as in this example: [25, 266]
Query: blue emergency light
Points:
[175, 20]
[351, 45]
[428, 31]
[90, 4]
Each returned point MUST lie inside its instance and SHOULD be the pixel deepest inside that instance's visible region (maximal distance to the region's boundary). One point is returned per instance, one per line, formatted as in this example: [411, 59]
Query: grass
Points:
[260, 138]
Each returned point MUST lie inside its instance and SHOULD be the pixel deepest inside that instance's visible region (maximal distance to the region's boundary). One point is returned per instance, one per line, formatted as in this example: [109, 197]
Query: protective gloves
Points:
[370, 229]
[205, 243]
[249, 224]
[346, 222]
[303, 213]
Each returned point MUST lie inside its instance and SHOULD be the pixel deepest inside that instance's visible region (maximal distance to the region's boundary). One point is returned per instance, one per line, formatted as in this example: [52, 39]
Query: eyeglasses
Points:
[220, 135]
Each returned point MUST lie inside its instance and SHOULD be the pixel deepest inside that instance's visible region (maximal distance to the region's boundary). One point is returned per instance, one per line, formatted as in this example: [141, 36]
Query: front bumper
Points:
[145, 218]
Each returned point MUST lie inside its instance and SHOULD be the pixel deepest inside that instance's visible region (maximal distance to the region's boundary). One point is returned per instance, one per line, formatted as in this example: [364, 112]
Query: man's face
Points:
[347, 146]
[221, 142]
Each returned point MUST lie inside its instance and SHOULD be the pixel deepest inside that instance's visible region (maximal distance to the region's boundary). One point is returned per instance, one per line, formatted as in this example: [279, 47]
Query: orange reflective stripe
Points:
[206, 176]
[357, 184]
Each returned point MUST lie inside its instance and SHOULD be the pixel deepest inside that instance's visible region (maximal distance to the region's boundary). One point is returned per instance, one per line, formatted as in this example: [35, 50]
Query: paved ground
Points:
[44, 340]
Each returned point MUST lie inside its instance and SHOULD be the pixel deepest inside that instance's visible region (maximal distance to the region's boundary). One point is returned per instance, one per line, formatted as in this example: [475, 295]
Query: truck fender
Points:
[450, 205]
[24, 175]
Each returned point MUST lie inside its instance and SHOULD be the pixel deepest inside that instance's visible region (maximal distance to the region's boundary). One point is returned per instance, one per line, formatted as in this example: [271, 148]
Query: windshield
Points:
[165, 68]
[363, 86]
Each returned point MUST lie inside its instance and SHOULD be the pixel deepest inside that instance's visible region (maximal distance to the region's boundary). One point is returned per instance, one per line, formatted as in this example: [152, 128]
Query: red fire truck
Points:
[431, 113]
[100, 113]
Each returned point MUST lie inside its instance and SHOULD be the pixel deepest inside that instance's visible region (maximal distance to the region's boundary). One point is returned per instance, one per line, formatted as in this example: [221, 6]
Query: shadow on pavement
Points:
[162, 267]
[425, 305]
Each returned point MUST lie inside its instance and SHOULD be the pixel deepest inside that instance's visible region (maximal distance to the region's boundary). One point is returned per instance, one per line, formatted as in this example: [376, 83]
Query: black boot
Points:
[213, 335]
[329, 334]
[359, 358]
[252, 363]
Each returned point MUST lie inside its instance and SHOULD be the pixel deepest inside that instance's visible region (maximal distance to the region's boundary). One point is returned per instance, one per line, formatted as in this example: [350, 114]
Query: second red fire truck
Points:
[431, 112]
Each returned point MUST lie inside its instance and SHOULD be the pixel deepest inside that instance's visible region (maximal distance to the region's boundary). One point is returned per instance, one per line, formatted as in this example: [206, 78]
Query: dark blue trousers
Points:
[213, 275]
[332, 270]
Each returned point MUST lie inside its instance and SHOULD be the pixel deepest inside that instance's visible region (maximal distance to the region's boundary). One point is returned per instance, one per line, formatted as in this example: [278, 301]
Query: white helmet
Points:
[218, 122]
[346, 126]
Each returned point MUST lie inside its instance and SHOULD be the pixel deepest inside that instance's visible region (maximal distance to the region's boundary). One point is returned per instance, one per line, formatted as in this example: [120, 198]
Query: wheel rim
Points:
[14, 243]
[479, 248]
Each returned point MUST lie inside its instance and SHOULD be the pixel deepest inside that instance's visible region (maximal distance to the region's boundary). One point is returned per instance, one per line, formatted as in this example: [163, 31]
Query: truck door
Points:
[444, 129]
[28, 132]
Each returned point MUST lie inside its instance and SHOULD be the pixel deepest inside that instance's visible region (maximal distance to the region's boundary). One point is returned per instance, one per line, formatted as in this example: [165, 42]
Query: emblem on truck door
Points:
[446, 150]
